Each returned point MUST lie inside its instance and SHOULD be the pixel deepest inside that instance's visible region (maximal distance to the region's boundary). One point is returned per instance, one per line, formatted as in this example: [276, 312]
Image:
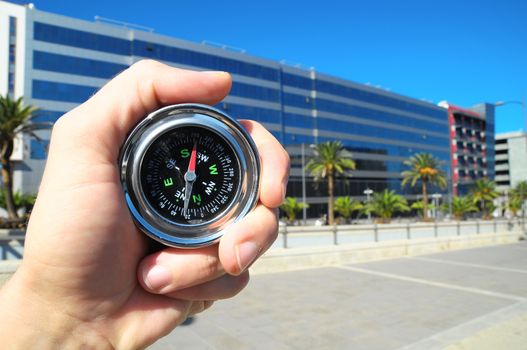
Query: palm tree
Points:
[291, 207]
[345, 206]
[462, 206]
[519, 193]
[330, 159]
[484, 191]
[26, 201]
[425, 168]
[387, 203]
[514, 205]
[419, 205]
[15, 118]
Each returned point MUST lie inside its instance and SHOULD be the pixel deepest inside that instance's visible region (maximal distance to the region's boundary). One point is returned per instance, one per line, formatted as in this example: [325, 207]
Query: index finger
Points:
[275, 164]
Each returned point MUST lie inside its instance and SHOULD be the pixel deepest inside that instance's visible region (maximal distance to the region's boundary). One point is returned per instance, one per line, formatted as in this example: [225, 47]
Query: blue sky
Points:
[464, 52]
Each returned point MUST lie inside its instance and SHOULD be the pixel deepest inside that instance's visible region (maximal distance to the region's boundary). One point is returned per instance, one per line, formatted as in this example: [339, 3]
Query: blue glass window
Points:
[379, 132]
[12, 26]
[299, 121]
[204, 60]
[255, 92]
[297, 100]
[368, 113]
[248, 112]
[392, 150]
[371, 97]
[78, 38]
[39, 149]
[75, 65]
[293, 139]
[48, 90]
[297, 81]
[43, 115]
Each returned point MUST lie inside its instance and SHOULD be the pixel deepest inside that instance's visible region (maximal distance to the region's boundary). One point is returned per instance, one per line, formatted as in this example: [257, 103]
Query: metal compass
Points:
[188, 171]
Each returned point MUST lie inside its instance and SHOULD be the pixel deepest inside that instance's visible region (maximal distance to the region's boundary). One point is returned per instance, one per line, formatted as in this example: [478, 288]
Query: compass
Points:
[189, 171]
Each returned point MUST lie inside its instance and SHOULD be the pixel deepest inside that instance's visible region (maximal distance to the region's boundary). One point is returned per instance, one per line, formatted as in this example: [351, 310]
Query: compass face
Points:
[190, 175]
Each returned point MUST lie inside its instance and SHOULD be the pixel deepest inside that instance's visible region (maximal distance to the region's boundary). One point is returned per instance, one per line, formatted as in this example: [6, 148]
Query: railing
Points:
[12, 241]
[296, 236]
[12, 244]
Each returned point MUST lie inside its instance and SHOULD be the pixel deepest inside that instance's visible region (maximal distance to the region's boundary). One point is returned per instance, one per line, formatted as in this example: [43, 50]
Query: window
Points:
[77, 38]
[39, 149]
[297, 81]
[371, 97]
[204, 60]
[255, 92]
[75, 65]
[47, 90]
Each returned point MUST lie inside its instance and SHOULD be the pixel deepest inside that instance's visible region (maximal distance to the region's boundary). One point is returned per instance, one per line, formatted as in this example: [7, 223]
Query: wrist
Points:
[31, 322]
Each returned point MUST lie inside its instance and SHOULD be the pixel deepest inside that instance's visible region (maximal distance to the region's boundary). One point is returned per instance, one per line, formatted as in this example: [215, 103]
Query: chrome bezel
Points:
[157, 124]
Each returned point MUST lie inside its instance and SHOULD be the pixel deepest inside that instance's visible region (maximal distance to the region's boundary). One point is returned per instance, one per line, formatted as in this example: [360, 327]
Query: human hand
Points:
[86, 278]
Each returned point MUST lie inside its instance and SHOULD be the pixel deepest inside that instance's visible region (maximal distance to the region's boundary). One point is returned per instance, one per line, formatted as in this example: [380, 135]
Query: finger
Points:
[275, 164]
[199, 306]
[248, 239]
[225, 287]
[175, 269]
[105, 119]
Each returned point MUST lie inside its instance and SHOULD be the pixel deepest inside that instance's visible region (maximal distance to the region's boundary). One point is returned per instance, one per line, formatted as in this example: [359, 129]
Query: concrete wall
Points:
[517, 159]
[281, 260]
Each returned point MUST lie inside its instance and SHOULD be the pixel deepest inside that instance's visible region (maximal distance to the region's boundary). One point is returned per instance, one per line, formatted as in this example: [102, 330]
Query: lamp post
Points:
[522, 103]
[436, 197]
[368, 192]
[304, 196]
[304, 209]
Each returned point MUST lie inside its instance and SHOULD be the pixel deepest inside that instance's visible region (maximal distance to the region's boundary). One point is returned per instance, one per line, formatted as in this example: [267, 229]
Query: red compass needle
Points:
[190, 177]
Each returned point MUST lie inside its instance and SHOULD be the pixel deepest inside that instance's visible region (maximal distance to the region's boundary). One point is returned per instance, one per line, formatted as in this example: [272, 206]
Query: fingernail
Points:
[245, 254]
[215, 72]
[157, 278]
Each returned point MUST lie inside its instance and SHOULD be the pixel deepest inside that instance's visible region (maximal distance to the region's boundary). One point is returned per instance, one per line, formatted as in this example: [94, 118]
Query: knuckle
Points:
[210, 265]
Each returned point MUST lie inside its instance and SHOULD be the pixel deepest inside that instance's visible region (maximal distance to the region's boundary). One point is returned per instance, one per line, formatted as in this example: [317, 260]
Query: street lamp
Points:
[304, 199]
[522, 103]
[368, 192]
[436, 197]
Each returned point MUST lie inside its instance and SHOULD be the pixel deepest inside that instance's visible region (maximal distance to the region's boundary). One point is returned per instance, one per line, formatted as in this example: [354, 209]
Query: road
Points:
[470, 299]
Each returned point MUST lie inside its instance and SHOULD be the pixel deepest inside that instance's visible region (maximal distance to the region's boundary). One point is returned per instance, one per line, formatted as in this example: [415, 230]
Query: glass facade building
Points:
[67, 60]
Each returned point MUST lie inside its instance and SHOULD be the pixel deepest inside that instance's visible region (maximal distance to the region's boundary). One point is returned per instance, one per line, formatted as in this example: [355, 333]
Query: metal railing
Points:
[295, 236]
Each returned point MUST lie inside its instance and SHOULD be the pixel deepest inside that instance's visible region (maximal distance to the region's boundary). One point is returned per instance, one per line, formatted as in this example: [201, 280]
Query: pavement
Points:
[468, 299]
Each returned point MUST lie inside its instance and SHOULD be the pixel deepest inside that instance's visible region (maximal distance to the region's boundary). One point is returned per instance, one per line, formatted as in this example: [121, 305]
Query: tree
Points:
[483, 192]
[425, 168]
[330, 159]
[419, 205]
[461, 206]
[291, 207]
[345, 206]
[15, 118]
[26, 201]
[387, 203]
[519, 194]
[514, 205]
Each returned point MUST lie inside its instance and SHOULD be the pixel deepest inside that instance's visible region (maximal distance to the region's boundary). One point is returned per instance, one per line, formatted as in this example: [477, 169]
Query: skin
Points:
[86, 280]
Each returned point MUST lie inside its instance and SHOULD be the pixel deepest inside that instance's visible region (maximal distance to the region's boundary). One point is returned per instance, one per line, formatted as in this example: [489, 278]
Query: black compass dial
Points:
[190, 175]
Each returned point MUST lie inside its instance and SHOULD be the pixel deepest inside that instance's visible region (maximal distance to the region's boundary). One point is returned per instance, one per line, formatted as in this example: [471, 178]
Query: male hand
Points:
[86, 279]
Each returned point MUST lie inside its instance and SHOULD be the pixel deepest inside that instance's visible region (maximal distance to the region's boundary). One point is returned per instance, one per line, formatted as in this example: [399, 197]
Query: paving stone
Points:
[336, 308]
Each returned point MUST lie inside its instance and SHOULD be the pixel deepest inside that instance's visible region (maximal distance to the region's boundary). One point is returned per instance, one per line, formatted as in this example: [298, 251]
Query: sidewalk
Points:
[469, 299]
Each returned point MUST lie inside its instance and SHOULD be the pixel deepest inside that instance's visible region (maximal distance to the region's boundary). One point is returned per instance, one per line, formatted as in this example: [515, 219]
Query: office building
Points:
[511, 159]
[57, 62]
[471, 143]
